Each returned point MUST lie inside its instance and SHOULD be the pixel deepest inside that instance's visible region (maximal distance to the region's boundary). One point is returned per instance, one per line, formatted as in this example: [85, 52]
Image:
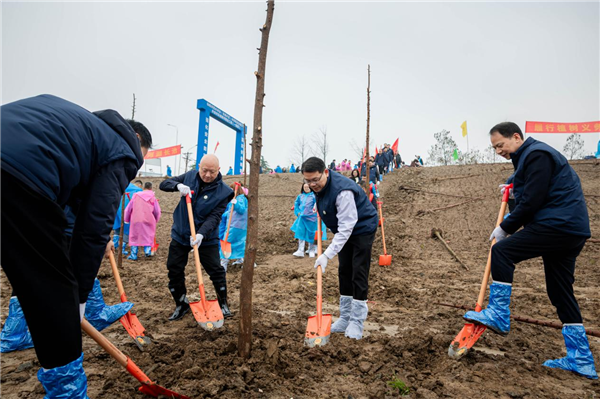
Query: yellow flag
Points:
[464, 128]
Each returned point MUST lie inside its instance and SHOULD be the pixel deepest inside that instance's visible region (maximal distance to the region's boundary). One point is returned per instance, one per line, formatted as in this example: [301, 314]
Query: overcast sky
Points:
[433, 66]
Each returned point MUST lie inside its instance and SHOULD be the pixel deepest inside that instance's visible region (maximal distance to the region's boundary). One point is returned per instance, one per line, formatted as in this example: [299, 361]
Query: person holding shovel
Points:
[209, 202]
[346, 211]
[237, 229]
[305, 226]
[142, 213]
[55, 153]
[550, 206]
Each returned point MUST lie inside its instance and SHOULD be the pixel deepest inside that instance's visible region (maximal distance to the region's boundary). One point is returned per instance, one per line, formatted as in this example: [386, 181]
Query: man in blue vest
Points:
[209, 201]
[346, 211]
[56, 154]
[550, 206]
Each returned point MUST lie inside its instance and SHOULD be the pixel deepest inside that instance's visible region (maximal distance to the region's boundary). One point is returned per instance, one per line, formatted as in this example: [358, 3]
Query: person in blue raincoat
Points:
[292, 169]
[238, 228]
[169, 171]
[278, 169]
[132, 188]
[229, 172]
[305, 226]
[598, 152]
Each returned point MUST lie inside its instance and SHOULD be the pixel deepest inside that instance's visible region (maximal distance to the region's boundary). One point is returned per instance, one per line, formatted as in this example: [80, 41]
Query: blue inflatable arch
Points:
[207, 111]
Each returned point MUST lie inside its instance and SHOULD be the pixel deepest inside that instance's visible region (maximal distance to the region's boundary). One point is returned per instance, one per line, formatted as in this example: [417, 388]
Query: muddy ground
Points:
[407, 334]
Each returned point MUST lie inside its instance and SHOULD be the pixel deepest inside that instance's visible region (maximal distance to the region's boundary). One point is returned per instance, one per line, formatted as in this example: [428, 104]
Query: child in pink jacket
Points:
[142, 214]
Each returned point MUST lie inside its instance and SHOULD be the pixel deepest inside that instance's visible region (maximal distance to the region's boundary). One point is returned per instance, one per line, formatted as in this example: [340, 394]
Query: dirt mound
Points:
[407, 335]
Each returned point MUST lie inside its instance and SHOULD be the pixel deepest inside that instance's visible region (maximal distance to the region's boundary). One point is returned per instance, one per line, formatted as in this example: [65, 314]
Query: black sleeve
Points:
[214, 218]
[538, 171]
[170, 185]
[95, 218]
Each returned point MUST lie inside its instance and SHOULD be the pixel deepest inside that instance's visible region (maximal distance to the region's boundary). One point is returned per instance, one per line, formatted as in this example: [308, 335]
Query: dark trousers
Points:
[558, 251]
[210, 260]
[36, 261]
[355, 263]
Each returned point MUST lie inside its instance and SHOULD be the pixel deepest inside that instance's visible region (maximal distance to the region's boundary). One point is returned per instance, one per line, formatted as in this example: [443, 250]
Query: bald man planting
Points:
[209, 201]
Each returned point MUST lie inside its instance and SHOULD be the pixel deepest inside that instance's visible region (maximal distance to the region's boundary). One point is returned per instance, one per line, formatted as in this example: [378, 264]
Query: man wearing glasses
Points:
[346, 211]
[209, 201]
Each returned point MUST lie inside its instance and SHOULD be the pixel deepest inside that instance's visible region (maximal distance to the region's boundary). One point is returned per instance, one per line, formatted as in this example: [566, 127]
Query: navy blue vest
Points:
[203, 204]
[55, 146]
[367, 215]
[565, 208]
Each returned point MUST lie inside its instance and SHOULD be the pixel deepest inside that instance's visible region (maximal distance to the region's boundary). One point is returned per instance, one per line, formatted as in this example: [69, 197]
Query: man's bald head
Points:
[209, 168]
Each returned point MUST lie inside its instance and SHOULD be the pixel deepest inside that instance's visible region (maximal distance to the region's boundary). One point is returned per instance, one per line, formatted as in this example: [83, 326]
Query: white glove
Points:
[503, 189]
[234, 201]
[183, 189]
[498, 234]
[81, 311]
[197, 241]
[322, 261]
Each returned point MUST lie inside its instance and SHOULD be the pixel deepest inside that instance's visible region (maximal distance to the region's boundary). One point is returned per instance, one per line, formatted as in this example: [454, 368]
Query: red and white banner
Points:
[557, 127]
[164, 152]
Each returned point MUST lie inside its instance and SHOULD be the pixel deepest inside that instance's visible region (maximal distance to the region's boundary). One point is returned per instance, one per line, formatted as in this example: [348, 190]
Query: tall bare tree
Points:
[368, 166]
[358, 149]
[574, 146]
[321, 146]
[301, 150]
[245, 335]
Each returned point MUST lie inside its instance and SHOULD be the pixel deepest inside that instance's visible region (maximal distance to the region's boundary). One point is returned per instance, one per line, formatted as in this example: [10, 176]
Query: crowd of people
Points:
[66, 171]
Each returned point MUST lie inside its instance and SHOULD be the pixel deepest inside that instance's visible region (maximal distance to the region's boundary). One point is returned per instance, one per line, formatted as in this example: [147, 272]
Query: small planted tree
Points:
[441, 152]
[573, 149]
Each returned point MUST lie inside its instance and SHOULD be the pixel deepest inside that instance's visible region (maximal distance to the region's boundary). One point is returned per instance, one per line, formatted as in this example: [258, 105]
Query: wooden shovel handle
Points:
[231, 211]
[382, 230]
[188, 201]
[319, 274]
[115, 271]
[104, 343]
[488, 266]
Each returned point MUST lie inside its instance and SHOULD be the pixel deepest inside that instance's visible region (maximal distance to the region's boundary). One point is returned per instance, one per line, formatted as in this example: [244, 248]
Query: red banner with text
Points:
[164, 152]
[556, 127]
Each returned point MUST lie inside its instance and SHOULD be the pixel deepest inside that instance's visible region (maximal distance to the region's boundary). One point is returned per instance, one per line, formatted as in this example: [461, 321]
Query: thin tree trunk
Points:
[368, 166]
[121, 233]
[245, 335]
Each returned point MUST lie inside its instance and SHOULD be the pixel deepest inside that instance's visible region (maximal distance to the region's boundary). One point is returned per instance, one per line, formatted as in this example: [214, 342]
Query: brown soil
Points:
[407, 335]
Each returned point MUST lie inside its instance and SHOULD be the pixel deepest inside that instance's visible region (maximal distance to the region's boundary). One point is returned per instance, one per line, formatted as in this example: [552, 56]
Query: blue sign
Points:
[207, 111]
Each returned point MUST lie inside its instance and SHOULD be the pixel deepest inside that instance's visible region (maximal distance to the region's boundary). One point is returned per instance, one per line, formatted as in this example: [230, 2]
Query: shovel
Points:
[207, 313]
[385, 259]
[318, 328]
[471, 332]
[148, 387]
[130, 321]
[226, 245]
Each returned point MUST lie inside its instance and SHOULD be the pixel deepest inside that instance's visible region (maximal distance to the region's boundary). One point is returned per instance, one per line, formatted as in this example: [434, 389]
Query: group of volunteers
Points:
[64, 172]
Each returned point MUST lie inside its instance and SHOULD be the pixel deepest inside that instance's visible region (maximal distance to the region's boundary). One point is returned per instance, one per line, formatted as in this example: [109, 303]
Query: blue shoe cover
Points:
[116, 240]
[133, 256]
[68, 381]
[579, 358]
[148, 251]
[358, 315]
[125, 248]
[15, 334]
[99, 314]
[341, 324]
[497, 315]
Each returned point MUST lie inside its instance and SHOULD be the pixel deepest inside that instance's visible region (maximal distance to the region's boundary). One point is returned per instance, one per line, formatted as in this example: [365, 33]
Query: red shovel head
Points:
[226, 249]
[316, 336]
[135, 330]
[209, 318]
[158, 392]
[385, 260]
[465, 340]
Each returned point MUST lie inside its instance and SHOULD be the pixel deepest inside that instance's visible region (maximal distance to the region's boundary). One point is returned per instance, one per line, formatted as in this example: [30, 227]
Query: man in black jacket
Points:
[209, 202]
[56, 154]
[550, 206]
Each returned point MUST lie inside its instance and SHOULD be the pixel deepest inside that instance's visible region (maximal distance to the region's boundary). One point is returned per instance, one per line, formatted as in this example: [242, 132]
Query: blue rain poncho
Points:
[15, 334]
[238, 228]
[305, 226]
[101, 315]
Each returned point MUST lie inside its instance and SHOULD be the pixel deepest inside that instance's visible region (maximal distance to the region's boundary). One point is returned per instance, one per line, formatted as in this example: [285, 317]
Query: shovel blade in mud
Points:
[315, 335]
[465, 340]
[157, 391]
[135, 330]
[226, 249]
[209, 317]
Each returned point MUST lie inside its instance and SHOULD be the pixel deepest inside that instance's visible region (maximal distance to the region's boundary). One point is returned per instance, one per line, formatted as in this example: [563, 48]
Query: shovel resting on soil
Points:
[318, 328]
[129, 320]
[226, 245]
[471, 332]
[148, 387]
[207, 313]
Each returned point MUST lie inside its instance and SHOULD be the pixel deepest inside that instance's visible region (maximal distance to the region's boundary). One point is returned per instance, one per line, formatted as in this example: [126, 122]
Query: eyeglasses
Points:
[313, 181]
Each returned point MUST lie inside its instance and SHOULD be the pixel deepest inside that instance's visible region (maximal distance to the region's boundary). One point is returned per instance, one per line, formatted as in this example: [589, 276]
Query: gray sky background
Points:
[433, 65]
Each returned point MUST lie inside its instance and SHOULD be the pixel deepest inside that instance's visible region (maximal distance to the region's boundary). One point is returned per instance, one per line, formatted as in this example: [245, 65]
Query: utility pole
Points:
[133, 108]
[186, 158]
